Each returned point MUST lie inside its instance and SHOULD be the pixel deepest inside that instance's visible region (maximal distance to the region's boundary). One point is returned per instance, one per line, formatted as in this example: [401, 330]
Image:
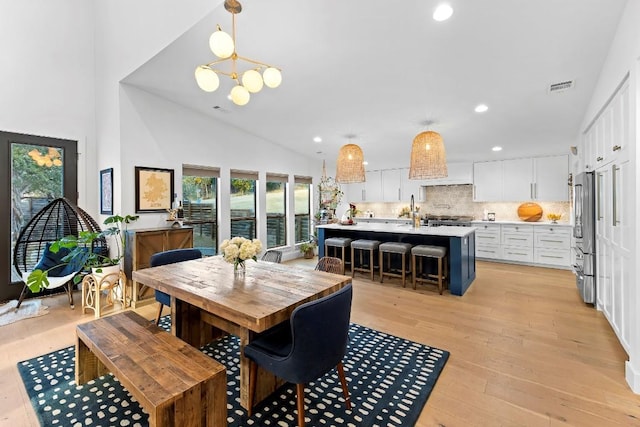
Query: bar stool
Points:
[342, 243]
[434, 252]
[363, 245]
[394, 248]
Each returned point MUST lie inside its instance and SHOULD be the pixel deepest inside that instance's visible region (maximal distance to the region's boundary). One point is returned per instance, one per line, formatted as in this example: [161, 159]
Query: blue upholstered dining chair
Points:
[313, 342]
[170, 257]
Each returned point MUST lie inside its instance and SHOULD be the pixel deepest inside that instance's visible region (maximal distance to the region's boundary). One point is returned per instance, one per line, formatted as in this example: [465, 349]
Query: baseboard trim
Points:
[632, 376]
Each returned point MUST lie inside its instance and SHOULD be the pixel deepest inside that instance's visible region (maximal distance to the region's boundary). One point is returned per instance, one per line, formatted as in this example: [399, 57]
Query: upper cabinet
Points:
[391, 185]
[368, 191]
[457, 173]
[540, 178]
[487, 181]
[607, 138]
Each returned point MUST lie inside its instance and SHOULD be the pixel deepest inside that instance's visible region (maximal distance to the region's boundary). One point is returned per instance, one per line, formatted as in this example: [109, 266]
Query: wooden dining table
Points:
[208, 300]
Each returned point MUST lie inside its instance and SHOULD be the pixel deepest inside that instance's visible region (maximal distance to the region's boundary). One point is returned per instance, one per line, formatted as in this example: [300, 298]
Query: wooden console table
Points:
[143, 243]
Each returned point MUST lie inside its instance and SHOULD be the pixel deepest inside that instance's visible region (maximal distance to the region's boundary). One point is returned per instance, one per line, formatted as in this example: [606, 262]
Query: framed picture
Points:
[106, 191]
[154, 189]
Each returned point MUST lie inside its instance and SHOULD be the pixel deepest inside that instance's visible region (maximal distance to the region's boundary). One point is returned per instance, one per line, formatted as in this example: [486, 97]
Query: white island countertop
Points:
[403, 229]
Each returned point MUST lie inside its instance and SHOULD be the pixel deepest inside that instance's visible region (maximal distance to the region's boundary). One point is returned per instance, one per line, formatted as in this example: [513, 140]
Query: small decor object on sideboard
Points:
[491, 216]
[530, 212]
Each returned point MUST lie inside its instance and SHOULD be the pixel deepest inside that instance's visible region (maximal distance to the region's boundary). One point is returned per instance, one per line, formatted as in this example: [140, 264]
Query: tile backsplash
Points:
[458, 200]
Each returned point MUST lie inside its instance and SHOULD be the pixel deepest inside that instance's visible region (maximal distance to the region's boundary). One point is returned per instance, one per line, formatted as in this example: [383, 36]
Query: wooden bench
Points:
[174, 382]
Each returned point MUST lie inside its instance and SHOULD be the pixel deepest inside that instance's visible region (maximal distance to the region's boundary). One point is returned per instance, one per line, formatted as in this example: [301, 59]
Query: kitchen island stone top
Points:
[449, 231]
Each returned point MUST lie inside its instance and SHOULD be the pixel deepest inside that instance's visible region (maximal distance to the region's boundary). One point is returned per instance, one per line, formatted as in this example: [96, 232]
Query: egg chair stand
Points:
[58, 219]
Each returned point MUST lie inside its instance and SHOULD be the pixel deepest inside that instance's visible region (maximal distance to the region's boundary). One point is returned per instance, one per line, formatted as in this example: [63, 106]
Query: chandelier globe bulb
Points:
[252, 81]
[207, 79]
[240, 95]
[272, 77]
[221, 44]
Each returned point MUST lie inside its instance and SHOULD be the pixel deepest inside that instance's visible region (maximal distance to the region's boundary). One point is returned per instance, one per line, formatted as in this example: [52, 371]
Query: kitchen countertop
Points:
[560, 224]
[450, 231]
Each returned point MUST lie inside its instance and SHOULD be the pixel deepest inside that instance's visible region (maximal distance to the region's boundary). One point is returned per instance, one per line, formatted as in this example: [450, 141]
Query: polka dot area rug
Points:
[389, 381]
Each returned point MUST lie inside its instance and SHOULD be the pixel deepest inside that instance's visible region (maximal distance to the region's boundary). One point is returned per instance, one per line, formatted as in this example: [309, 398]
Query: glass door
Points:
[38, 170]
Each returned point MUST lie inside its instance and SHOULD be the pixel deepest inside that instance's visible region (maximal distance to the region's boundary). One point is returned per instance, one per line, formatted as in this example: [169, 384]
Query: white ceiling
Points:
[379, 69]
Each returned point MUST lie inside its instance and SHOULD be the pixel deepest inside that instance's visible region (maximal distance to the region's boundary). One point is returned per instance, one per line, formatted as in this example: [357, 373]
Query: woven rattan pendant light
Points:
[349, 167]
[428, 157]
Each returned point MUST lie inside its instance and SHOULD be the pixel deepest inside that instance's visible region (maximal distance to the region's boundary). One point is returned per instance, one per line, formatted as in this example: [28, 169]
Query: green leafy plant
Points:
[81, 253]
[306, 248]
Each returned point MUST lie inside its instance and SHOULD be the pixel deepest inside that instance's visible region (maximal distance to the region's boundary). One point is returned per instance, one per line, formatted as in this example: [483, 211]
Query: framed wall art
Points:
[154, 189]
[106, 191]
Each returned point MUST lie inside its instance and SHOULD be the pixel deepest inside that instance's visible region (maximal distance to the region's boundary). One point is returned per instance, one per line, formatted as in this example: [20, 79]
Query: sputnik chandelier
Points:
[249, 81]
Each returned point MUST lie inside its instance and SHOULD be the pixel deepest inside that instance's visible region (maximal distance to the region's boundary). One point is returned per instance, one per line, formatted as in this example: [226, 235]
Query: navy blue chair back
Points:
[170, 257]
[311, 344]
[320, 333]
[173, 256]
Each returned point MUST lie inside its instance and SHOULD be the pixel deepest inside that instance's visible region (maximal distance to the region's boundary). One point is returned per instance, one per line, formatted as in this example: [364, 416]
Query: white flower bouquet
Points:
[238, 249]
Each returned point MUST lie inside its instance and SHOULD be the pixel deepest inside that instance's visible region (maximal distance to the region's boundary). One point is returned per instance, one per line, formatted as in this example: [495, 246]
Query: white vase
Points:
[108, 275]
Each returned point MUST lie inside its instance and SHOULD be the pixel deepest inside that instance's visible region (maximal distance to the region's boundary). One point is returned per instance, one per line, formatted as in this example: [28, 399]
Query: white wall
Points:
[47, 75]
[623, 58]
[159, 133]
[128, 33]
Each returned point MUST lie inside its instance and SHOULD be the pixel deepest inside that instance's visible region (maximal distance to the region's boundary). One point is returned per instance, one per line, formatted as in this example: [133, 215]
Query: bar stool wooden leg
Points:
[371, 263]
[414, 273]
[440, 275]
[353, 262]
[403, 264]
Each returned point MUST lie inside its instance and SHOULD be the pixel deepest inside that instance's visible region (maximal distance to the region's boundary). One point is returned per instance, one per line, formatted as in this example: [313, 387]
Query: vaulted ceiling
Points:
[380, 69]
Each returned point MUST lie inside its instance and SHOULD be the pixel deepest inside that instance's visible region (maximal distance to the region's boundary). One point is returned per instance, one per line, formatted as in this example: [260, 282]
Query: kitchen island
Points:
[459, 241]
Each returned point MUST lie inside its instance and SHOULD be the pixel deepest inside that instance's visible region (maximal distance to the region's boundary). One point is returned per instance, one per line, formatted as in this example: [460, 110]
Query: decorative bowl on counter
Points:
[530, 212]
[554, 217]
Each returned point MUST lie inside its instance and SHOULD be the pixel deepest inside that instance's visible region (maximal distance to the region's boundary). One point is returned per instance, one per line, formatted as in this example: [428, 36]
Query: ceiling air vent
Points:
[561, 86]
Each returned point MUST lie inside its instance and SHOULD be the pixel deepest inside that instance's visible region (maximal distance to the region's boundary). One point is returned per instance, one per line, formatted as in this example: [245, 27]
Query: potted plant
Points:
[81, 253]
[307, 249]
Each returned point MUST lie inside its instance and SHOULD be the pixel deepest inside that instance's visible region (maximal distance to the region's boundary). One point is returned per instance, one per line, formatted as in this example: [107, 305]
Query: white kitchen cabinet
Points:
[457, 173]
[415, 187]
[487, 181]
[551, 179]
[541, 178]
[517, 182]
[391, 183]
[542, 244]
[353, 192]
[607, 139]
[615, 228]
[517, 243]
[368, 191]
[552, 245]
[488, 241]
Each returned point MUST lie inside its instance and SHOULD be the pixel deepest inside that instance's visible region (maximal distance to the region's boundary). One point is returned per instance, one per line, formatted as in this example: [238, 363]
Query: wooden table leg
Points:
[88, 366]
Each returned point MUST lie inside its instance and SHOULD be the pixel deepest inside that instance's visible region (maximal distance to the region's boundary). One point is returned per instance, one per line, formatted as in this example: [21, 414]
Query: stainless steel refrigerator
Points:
[584, 232]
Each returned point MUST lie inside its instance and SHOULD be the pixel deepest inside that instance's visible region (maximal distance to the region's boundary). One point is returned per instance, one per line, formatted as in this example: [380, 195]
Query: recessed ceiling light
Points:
[317, 139]
[365, 163]
[443, 12]
[481, 108]
[497, 148]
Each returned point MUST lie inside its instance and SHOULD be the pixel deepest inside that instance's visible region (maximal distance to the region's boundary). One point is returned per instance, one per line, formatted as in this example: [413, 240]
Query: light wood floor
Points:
[525, 351]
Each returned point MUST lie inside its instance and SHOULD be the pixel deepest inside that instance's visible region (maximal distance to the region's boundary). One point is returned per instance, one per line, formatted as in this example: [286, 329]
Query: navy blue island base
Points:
[459, 241]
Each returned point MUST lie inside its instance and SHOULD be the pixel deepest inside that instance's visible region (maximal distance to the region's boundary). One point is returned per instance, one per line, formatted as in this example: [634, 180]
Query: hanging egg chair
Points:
[58, 219]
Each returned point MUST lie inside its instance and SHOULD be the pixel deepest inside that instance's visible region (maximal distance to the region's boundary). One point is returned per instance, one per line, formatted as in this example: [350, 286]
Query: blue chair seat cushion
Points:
[162, 298]
[54, 263]
[274, 342]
